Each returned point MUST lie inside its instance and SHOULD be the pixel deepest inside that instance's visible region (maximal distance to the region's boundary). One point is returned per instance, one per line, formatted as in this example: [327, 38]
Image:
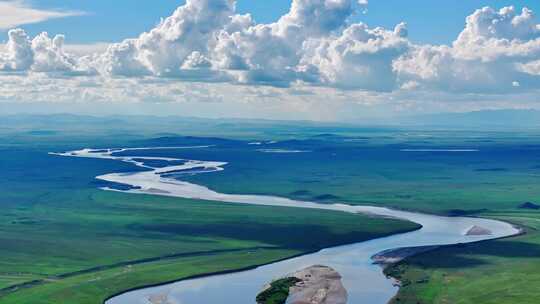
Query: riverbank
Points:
[407, 227]
[471, 272]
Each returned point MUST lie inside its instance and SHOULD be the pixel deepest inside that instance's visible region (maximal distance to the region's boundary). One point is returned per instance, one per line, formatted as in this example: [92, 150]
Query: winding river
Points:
[363, 280]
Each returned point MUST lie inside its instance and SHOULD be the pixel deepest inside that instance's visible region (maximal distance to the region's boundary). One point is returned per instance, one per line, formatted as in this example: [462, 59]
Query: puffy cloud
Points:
[196, 60]
[496, 50]
[490, 35]
[19, 54]
[41, 54]
[163, 50]
[487, 23]
[49, 54]
[359, 58]
[120, 59]
[439, 68]
[315, 43]
[271, 53]
[314, 17]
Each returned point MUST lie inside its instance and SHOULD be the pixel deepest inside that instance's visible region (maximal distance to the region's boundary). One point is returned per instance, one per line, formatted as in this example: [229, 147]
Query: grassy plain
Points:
[121, 241]
[378, 170]
[55, 223]
[500, 173]
[65, 241]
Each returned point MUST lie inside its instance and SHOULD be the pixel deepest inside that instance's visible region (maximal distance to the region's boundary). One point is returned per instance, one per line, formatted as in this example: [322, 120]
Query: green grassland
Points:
[97, 286]
[80, 244]
[504, 271]
[491, 182]
[115, 235]
[382, 175]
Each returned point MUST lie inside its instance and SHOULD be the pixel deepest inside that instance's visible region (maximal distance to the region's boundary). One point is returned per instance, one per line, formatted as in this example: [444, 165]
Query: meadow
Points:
[398, 171]
[65, 241]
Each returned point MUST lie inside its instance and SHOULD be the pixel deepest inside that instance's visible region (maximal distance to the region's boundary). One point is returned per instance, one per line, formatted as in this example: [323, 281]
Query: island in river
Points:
[316, 284]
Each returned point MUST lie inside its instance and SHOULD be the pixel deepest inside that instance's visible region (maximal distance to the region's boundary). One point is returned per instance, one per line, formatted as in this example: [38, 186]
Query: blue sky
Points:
[109, 21]
[323, 60]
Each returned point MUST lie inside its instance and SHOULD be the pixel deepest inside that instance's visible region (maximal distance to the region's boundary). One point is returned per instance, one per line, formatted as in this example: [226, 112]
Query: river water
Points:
[364, 281]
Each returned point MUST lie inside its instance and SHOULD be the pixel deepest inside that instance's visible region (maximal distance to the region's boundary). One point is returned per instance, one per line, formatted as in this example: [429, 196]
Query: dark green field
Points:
[141, 240]
[65, 241]
[278, 291]
[504, 271]
[62, 240]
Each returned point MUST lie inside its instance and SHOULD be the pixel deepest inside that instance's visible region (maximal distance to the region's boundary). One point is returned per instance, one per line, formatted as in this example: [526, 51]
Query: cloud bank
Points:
[495, 51]
[314, 45]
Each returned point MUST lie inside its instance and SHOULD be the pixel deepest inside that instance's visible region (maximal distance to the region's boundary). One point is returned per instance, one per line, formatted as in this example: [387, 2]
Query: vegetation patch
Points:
[278, 291]
[529, 205]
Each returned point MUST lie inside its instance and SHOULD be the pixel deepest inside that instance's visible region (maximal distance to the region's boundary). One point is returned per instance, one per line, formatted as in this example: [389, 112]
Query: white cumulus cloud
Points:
[40, 54]
[359, 58]
[494, 50]
[315, 44]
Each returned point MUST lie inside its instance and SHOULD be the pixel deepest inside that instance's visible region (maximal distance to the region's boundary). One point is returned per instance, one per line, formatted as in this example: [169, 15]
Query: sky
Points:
[337, 60]
[110, 21]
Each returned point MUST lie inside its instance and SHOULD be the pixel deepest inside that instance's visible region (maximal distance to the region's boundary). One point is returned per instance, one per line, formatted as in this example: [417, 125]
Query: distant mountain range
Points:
[485, 119]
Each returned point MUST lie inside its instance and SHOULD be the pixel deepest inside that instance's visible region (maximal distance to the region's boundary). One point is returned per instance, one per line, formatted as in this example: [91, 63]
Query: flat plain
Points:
[66, 241]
